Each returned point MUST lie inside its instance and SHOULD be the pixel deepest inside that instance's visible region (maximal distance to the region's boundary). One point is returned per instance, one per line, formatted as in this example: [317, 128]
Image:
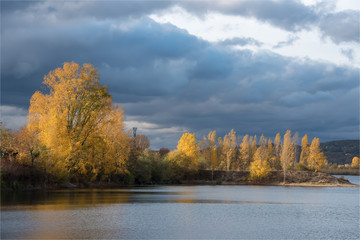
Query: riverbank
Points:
[274, 178]
[207, 177]
[345, 171]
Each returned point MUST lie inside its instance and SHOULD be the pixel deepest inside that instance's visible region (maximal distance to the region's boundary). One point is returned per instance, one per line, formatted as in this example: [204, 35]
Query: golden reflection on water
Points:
[141, 212]
[62, 200]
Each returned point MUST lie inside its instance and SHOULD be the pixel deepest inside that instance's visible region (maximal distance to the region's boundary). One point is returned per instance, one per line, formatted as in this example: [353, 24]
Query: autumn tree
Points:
[229, 145]
[140, 142]
[188, 145]
[138, 145]
[277, 152]
[28, 146]
[317, 159]
[355, 163]
[259, 167]
[271, 158]
[77, 123]
[245, 153]
[304, 150]
[295, 144]
[287, 153]
[253, 146]
[209, 151]
[220, 155]
[8, 144]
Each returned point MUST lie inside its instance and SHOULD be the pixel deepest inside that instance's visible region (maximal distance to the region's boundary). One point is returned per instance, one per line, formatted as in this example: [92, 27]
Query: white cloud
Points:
[147, 127]
[216, 27]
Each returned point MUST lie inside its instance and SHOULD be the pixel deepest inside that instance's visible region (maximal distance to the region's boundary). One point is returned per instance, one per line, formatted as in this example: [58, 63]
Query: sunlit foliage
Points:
[208, 149]
[188, 145]
[78, 124]
[245, 153]
[229, 145]
[355, 163]
[317, 160]
[304, 150]
[287, 152]
[259, 168]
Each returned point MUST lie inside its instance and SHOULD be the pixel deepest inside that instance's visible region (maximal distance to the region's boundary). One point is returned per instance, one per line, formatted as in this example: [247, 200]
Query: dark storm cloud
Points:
[77, 10]
[163, 75]
[288, 15]
[122, 56]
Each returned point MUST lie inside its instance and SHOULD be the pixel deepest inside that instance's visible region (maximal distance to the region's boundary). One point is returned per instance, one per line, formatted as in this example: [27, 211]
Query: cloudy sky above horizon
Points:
[195, 66]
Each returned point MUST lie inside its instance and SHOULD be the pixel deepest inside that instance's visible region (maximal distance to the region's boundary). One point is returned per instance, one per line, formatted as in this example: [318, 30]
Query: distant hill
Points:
[341, 152]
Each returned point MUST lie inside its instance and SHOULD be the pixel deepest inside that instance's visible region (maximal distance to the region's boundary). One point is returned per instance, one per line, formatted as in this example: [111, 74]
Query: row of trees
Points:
[228, 153]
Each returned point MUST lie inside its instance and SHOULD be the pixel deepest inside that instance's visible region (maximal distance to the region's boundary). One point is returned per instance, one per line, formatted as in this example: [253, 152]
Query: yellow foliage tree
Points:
[253, 147]
[287, 153]
[277, 152]
[304, 150]
[317, 159]
[78, 124]
[188, 145]
[229, 145]
[208, 148]
[28, 146]
[244, 153]
[271, 158]
[212, 145]
[259, 168]
[355, 163]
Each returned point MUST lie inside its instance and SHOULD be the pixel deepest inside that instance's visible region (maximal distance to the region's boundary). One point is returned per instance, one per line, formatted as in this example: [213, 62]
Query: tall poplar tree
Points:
[277, 151]
[304, 150]
[287, 153]
[244, 153]
[229, 145]
[317, 159]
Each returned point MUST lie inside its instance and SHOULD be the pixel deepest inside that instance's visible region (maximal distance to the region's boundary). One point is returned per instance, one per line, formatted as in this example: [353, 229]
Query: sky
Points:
[258, 67]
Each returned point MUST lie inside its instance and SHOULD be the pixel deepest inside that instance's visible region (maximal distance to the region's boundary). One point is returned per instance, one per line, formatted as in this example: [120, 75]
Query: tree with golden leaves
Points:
[271, 158]
[209, 150]
[304, 150]
[355, 163]
[287, 153]
[245, 153]
[28, 146]
[253, 147]
[277, 152]
[188, 145]
[229, 145]
[259, 167]
[317, 159]
[77, 123]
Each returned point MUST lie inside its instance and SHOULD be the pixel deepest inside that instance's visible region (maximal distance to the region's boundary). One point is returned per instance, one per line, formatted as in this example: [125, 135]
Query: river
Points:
[178, 212]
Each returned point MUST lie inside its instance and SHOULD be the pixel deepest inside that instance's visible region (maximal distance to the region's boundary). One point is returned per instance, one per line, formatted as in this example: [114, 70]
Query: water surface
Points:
[168, 212]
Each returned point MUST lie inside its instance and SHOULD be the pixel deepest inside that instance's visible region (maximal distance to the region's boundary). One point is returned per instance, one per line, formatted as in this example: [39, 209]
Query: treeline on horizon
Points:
[75, 133]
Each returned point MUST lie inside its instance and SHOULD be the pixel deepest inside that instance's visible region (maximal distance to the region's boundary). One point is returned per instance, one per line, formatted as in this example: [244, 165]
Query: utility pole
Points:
[134, 132]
